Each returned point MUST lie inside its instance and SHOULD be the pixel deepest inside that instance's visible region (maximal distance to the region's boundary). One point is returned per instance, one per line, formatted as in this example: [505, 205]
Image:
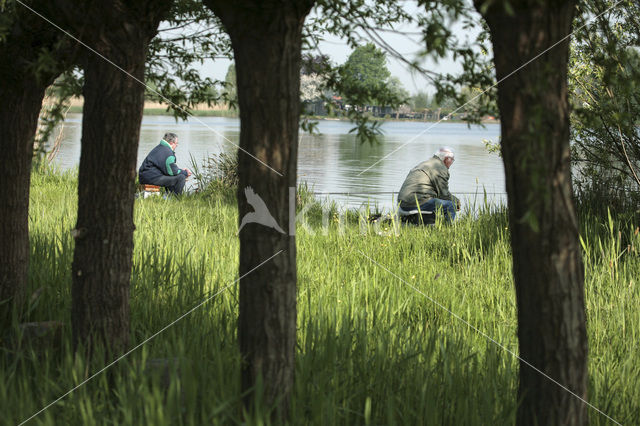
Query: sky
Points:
[408, 44]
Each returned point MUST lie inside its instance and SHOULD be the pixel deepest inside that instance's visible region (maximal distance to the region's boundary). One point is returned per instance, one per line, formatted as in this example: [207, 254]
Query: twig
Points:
[635, 176]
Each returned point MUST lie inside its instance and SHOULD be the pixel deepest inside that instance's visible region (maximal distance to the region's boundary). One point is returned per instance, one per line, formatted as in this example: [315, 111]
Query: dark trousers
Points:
[174, 184]
[436, 204]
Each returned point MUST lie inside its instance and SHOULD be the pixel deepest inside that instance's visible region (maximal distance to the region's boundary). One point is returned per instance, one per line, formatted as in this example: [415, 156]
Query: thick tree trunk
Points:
[547, 264]
[21, 91]
[104, 232]
[22, 99]
[112, 112]
[266, 38]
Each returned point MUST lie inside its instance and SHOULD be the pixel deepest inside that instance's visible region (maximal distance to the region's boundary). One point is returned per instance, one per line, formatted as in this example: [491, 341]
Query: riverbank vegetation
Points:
[395, 325]
[232, 113]
[163, 111]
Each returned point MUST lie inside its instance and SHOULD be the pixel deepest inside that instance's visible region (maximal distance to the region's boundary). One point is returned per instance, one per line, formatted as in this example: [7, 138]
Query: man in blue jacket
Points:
[159, 168]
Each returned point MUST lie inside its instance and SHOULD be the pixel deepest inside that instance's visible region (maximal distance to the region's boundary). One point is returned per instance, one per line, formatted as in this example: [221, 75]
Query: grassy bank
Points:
[373, 347]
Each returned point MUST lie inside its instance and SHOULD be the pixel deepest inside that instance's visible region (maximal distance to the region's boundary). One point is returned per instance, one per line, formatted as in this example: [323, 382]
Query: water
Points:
[333, 163]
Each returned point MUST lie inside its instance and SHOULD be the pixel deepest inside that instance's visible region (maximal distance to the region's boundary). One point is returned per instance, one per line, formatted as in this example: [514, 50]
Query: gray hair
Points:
[445, 152]
[170, 137]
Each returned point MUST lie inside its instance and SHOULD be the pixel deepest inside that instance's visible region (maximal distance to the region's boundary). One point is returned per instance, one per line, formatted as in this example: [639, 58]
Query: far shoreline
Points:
[152, 109]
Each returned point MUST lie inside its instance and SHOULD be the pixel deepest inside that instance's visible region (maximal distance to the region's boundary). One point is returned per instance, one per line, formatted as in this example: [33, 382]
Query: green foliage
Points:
[216, 170]
[352, 20]
[473, 91]
[491, 146]
[349, 20]
[308, 125]
[365, 80]
[314, 64]
[367, 131]
[605, 92]
[604, 85]
[190, 35]
[397, 89]
[420, 101]
[231, 86]
[361, 23]
[365, 70]
[600, 197]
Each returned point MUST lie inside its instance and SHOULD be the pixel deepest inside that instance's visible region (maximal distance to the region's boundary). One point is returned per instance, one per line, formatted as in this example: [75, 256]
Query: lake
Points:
[333, 163]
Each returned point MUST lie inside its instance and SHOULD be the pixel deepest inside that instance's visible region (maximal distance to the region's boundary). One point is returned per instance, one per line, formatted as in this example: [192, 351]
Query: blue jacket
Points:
[161, 161]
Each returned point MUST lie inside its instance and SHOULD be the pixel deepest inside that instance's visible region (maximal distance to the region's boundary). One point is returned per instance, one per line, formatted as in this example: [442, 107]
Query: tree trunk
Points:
[266, 39]
[547, 263]
[21, 91]
[112, 112]
[18, 119]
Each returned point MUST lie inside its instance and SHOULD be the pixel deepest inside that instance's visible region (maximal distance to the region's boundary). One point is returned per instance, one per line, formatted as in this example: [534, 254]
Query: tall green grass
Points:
[374, 347]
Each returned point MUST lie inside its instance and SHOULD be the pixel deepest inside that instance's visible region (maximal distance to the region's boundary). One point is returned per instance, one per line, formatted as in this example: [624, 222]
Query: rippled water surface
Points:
[333, 163]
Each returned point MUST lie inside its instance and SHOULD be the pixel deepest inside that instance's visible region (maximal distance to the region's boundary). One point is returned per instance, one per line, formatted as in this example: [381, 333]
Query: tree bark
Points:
[18, 119]
[112, 113]
[21, 90]
[266, 39]
[547, 263]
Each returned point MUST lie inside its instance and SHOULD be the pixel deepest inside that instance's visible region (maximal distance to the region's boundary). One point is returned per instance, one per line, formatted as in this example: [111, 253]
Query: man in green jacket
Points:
[427, 186]
[159, 168]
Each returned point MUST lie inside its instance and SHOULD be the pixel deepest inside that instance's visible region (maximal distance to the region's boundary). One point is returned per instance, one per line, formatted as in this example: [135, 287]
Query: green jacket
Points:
[427, 180]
